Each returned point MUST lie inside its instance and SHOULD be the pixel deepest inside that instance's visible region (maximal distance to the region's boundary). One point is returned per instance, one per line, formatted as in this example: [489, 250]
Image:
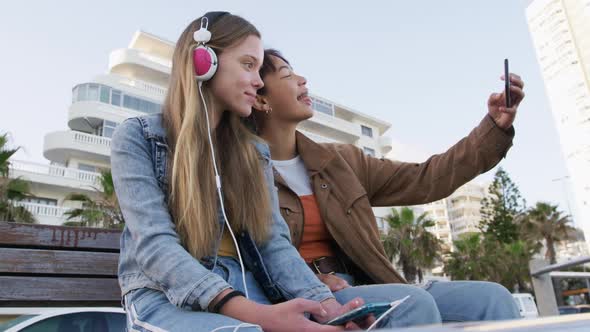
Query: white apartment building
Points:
[560, 30]
[574, 248]
[135, 84]
[457, 214]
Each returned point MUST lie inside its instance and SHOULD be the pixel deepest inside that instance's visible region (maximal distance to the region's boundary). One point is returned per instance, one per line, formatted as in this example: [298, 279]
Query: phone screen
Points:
[376, 309]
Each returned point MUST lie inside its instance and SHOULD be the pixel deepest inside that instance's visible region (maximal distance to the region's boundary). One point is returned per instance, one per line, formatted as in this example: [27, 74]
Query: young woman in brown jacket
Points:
[327, 191]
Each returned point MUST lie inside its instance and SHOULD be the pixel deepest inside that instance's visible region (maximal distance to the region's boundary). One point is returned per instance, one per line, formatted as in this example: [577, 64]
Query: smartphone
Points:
[507, 84]
[363, 311]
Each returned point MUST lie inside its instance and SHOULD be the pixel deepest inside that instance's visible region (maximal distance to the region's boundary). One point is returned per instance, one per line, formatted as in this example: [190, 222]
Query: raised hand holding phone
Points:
[502, 107]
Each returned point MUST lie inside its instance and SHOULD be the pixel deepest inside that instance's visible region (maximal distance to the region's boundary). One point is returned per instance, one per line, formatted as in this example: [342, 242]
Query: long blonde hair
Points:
[193, 199]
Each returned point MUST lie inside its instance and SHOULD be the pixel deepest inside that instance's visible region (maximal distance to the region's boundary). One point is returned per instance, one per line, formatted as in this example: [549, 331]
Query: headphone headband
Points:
[212, 17]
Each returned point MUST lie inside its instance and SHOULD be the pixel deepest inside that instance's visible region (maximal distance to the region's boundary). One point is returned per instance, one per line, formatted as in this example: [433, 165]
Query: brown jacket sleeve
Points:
[395, 183]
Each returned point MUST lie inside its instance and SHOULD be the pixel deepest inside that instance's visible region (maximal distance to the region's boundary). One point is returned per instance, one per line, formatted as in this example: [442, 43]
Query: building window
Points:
[130, 102]
[108, 95]
[82, 93]
[369, 151]
[87, 168]
[116, 97]
[108, 128]
[93, 92]
[367, 131]
[105, 94]
[75, 94]
[322, 106]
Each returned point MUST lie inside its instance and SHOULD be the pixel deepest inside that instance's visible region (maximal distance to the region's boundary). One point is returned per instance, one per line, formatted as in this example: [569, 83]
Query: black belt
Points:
[327, 265]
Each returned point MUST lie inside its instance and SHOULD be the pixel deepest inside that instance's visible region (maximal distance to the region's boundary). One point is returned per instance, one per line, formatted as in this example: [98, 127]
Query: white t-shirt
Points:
[294, 173]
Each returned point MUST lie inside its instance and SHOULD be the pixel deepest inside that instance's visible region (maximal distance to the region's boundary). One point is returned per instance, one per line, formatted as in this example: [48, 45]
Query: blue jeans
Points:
[439, 301]
[462, 301]
[150, 310]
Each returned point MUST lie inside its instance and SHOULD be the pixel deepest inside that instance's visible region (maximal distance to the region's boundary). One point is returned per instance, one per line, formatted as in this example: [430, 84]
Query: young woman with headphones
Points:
[204, 246]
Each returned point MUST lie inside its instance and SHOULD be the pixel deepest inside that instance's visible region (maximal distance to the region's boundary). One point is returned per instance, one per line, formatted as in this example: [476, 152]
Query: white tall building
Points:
[560, 31]
[135, 84]
[574, 248]
[455, 215]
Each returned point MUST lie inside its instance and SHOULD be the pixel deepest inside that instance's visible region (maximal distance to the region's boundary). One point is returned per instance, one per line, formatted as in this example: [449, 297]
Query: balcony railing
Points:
[150, 88]
[88, 178]
[91, 139]
[44, 210]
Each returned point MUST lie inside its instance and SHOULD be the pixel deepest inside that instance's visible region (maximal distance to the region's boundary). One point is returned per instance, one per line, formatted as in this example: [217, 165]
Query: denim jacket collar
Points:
[156, 130]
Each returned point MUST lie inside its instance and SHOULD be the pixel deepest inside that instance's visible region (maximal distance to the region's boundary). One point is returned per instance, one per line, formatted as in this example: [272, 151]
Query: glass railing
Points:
[108, 95]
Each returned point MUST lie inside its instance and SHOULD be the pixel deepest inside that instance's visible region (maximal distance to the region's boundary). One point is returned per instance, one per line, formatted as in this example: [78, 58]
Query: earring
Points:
[269, 110]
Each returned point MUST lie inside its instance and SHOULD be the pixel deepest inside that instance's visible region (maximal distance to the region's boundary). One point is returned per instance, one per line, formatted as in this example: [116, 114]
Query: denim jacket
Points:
[151, 253]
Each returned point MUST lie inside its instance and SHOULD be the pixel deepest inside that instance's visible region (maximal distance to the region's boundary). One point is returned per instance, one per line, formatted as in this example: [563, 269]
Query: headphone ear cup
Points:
[204, 62]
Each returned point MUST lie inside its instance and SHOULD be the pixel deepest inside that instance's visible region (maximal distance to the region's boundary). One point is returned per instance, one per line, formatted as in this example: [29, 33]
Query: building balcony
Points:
[317, 138]
[133, 86]
[45, 214]
[88, 115]
[60, 146]
[93, 103]
[52, 175]
[456, 206]
[137, 64]
[386, 144]
[333, 127]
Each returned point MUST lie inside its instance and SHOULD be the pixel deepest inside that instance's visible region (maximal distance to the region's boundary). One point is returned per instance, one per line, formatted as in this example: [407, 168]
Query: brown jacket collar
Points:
[314, 155]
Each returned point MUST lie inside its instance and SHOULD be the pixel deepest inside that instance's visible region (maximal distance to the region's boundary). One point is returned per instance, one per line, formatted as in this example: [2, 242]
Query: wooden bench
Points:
[57, 266]
[43, 265]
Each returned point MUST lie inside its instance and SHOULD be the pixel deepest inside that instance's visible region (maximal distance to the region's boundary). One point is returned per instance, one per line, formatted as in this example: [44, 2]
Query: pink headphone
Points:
[204, 58]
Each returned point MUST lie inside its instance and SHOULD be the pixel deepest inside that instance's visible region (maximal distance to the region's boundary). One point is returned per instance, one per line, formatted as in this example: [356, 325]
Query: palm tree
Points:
[411, 243]
[468, 260]
[12, 190]
[480, 257]
[516, 256]
[102, 212]
[545, 223]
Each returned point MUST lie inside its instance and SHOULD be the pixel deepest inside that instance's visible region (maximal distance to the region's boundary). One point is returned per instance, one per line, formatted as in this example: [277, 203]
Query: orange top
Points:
[316, 242]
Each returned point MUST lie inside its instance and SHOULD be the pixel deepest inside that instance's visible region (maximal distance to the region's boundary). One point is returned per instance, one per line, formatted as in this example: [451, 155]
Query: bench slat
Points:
[58, 236]
[41, 261]
[58, 289]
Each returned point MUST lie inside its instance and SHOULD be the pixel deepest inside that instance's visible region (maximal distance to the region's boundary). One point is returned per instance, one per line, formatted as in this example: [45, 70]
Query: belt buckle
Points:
[317, 268]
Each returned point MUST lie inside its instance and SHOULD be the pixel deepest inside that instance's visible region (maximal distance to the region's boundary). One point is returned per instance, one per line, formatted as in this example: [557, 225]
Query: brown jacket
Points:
[347, 183]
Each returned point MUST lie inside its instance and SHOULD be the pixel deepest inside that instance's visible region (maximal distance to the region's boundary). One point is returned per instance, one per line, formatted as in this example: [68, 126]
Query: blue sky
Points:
[427, 67]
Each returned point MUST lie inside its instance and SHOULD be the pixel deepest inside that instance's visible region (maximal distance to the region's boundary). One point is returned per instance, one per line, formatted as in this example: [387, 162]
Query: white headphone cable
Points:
[219, 192]
[236, 327]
